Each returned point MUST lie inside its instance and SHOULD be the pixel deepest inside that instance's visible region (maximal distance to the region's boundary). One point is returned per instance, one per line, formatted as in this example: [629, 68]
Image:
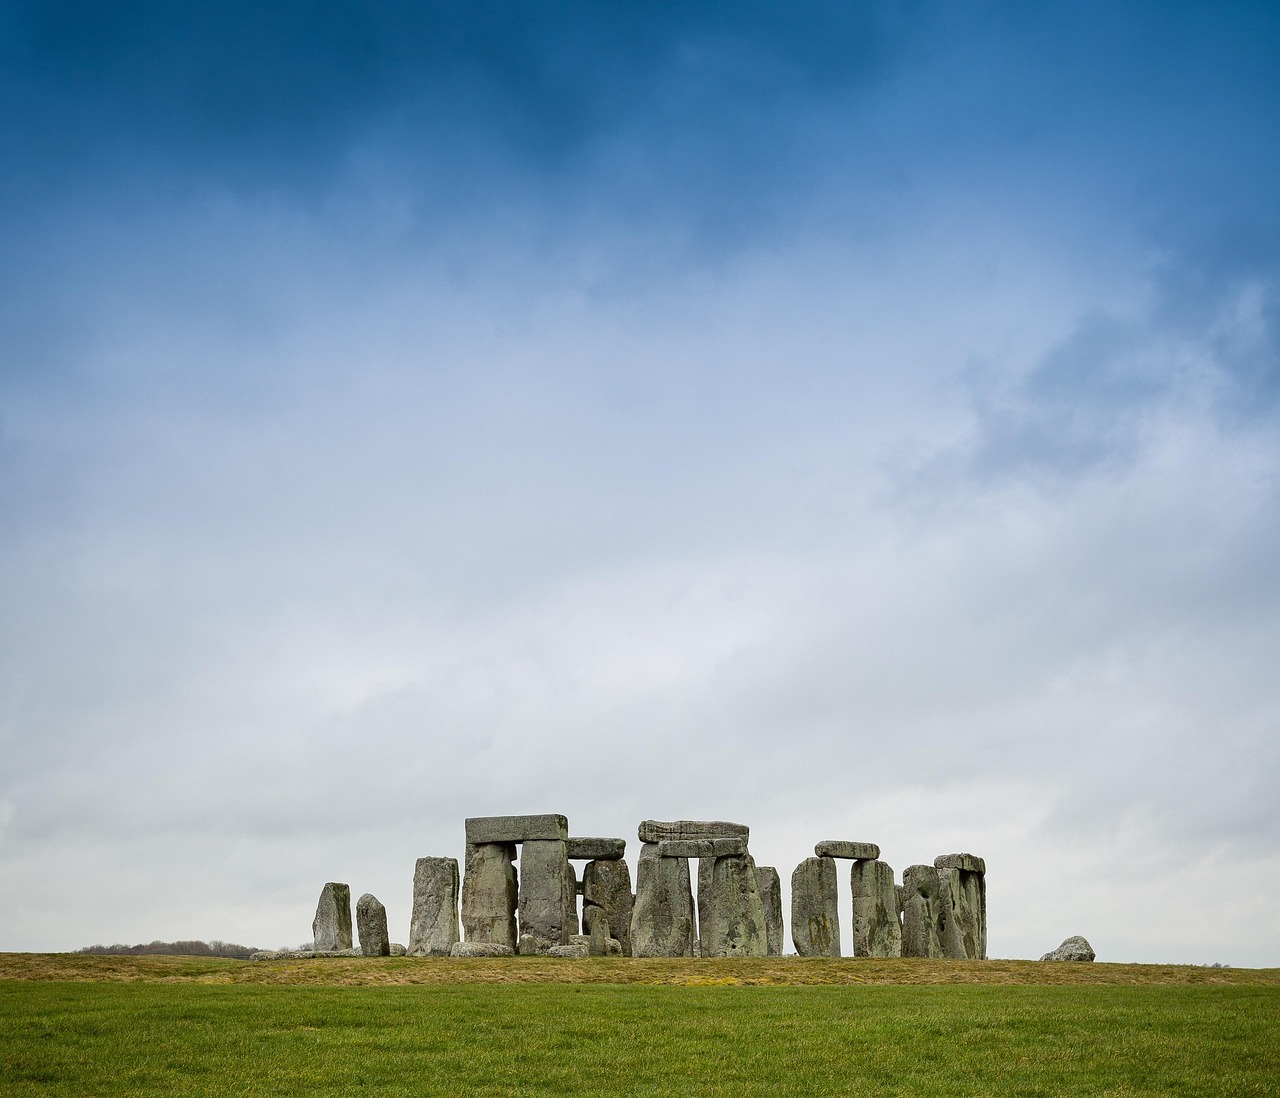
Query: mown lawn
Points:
[104, 1038]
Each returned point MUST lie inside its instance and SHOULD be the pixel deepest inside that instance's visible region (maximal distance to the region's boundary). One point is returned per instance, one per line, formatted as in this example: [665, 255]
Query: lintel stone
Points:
[594, 849]
[839, 848]
[702, 848]
[970, 863]
[655, 831]
[516, 829]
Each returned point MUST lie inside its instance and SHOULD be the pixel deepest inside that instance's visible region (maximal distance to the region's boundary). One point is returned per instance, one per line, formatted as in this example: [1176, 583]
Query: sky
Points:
[861, 421]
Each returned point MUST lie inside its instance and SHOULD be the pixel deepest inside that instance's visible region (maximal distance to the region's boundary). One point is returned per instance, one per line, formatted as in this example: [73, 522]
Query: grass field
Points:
[127, 1025]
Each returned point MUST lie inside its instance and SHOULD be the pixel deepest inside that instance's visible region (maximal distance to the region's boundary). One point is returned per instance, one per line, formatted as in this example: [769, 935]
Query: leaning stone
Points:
[654, 831]
[970, 863]
[371, 922]
[397, 950]
[489, 894]
[607, 885]
[517, 829]
[1074, 948]
[331, 928]
[839, 848]
[590, 850]
[964, 893]
[924, 916]
[662, 920]
[568, 951]
[815, 910]
[735, 920]
[533, 946]
[702, 848]
[770, 889]
[877, 931]
[548, 891]
[480, 949]
[433, 926]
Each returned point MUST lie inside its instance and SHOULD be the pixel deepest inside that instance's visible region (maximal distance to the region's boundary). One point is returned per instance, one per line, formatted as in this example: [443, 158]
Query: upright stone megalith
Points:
[734, 921]
[606, 885]
[662, 920]
[371, 922]
[433, 926]
[770, 888]
[489, 894]
[548, 891]
[877, 931]
[924, 915]
[815, 908]
[331, 928]
[963, 881]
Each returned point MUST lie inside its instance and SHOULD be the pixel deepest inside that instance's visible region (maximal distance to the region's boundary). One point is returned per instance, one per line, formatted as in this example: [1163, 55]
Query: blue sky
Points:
[859, 420]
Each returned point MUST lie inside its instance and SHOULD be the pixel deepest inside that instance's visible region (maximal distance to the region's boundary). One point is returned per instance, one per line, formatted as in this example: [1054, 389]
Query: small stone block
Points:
[568, 951]
[590, 850]
[516, 829]
[702, 848]
[970, 863]
[480, 949]
[839, 848]
[656, 831]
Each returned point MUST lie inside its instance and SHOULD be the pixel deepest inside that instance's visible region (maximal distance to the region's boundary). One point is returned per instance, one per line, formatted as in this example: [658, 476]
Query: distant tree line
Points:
[175, 949]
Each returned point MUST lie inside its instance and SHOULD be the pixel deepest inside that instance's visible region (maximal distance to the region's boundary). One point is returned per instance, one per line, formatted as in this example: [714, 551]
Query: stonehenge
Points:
[518, 894]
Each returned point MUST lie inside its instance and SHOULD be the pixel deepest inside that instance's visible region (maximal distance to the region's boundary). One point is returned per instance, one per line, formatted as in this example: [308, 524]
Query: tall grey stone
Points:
[489, 893]
[770, 888]
[964, 892]
[655, 831]
[815, 908]
[877, 931]
[596, 924]
[734, 924]
[331, 928]
[371, 923]
[1074, 948]
[662, 920]
[517, 829]
[433, 926]
[606, 884]
[548, 891]
[924, 915]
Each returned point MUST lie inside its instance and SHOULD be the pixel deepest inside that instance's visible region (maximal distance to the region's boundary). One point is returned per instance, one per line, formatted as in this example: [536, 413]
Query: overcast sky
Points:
[857, 420]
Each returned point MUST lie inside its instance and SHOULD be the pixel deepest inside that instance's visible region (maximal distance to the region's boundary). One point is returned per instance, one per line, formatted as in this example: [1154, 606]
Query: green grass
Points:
[104, 1038]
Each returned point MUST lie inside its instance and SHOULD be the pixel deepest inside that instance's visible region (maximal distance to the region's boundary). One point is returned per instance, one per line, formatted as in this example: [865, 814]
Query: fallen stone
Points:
[770, 888]
[574, 951]
[815, 910]
[371, 922]
[877, 930]
[662, 919]
[517, 829]
[397, 950]
[548, 896]
[970, 863]
[331, 928]
[839, 848]
[489, 895]
[433, 925]
[654, 831]
[735, 920]
[607, 885]
[590, 850]
[964, 893]
[924, 916]
[702, 848]
[1074, 948]
[480, 949]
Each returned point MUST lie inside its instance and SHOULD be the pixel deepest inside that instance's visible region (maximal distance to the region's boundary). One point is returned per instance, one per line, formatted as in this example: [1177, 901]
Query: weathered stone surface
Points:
[924, 915]
[970, 863]
[965, 896]
[877, 931]
[654, 831]
[597, 924]
[840, 848]
[531, 945]
[662, 920]
[489, 893]
[607, 885]
[572, 951]
[735, 921]
[589, 850]
[1074, 948]
[548, 891]
[517, 829]
[397, 950]
[481, 949]
[331, 928]
[702, 848]
[815, 908]
[770, 888]
[433, 925]
[371, 923]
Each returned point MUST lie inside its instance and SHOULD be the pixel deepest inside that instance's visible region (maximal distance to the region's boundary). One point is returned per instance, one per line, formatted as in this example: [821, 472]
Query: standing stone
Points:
[815, 908]
[597, 928]
[771, 897]
[734, 924]
[331, 928]
[924, 916]
[607, 885]
[662, 920]
[548, 891]
[963, 882]
[876, 929]
[489, 893]
[433, 926]
[371, 922]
